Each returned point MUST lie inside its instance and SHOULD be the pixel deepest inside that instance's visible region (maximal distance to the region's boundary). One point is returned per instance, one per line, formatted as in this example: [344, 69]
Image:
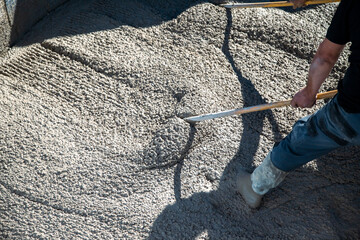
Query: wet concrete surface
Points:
[93, 145]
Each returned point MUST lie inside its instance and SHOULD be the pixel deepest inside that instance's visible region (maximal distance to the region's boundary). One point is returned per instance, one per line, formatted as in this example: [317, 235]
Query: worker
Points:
[335, 125]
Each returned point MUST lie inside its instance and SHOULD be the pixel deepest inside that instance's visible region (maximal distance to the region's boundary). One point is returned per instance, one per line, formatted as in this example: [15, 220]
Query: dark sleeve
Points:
[338, 31]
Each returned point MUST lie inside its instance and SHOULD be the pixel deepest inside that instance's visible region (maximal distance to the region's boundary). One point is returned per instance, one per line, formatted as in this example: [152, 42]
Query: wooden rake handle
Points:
[256, 108]
[273, 4]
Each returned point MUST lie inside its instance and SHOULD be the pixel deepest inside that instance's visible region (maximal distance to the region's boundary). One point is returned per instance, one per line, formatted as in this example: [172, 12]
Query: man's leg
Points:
[318, 134]
[253, 186]
[311, 137]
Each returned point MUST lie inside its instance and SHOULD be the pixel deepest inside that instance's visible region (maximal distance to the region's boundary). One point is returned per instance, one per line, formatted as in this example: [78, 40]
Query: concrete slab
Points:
[93, 145]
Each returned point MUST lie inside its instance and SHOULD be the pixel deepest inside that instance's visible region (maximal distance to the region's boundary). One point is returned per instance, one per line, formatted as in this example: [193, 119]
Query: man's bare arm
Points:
[324, 60]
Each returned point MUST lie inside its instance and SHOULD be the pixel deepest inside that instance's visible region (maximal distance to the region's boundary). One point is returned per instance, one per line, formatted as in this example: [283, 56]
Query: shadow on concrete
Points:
[222, 214]
[206, 211]
[177, 175]
[136, 13]
[23, 14]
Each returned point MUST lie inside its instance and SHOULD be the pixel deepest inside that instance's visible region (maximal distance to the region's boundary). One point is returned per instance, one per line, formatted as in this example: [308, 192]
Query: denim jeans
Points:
[327, 129]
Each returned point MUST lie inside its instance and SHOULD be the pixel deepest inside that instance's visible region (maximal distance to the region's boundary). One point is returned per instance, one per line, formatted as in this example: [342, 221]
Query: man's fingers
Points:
[299, 105]
[298, 3]
[293, 103]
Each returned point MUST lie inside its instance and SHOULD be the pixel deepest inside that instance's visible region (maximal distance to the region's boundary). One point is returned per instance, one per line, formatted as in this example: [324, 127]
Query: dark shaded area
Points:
[177, 176]
[4, 29]
[23, 14]
[19, 16]
[252, 122]
[22, 19]
[26, 13]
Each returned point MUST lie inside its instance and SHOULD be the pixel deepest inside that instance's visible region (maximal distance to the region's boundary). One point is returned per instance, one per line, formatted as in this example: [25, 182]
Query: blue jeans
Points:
[315, 135]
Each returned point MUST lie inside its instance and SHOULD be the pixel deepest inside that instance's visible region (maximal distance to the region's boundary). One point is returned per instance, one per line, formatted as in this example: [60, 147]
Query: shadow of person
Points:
[73, 17]
[329, 193]
[220, 213]
[76, 17]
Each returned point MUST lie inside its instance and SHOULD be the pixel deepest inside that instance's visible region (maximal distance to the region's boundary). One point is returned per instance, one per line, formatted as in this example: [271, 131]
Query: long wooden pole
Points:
[256, 108]
[272, 4]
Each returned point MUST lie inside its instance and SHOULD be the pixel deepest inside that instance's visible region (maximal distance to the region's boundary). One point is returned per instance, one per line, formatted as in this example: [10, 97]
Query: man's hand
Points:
[324, 60]
[298, 3]
[305, 98]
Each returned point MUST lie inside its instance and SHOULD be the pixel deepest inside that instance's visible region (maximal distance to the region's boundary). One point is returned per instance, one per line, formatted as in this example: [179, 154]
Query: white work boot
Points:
[253, 186]
[245, 189]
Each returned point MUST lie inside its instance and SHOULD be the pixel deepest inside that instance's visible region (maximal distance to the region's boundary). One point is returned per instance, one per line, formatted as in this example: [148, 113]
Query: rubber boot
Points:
[244, 187]
[253, 186]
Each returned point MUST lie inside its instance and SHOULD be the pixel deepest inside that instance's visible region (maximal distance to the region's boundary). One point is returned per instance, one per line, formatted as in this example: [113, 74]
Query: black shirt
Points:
[344, 28]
